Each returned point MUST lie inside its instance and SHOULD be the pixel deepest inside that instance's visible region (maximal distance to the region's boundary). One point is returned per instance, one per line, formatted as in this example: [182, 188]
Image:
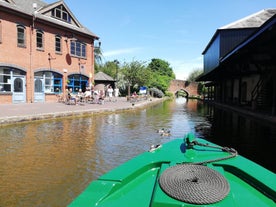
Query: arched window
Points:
[58, 44]
[38, 85]
[39, 40]
[18, 85]
[52, 82]
[21, 42]
[77, 82]
[5, 77]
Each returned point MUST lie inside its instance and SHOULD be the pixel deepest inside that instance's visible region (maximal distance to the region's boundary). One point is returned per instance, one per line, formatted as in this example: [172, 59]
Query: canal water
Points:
[47, 164]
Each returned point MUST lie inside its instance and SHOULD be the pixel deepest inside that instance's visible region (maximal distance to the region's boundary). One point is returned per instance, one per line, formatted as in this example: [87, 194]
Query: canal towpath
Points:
[25, 112]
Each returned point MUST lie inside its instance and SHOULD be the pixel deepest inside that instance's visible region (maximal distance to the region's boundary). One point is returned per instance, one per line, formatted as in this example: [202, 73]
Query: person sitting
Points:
[101, 97]
[134, 97]
[87, 95]
[70, 99]
[80, 96]
[96, 96]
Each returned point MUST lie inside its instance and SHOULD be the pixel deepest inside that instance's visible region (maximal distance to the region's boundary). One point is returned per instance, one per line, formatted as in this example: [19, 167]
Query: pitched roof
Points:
[100, 76]
[252, 21]
[41, 11]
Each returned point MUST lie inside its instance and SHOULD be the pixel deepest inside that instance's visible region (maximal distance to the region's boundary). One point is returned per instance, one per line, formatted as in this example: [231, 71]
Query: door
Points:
[19, 89]
[39, 95]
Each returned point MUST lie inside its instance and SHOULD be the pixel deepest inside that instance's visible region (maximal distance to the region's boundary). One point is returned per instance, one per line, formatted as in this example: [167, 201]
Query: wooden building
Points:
[43, 50]
[240, 63]
[103, 80]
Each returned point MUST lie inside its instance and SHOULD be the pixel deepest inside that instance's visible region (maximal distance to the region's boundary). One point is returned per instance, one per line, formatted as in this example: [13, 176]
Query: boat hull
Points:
[137, 182]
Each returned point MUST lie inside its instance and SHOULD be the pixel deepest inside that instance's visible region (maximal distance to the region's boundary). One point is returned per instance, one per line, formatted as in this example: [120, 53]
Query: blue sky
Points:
[176, 31]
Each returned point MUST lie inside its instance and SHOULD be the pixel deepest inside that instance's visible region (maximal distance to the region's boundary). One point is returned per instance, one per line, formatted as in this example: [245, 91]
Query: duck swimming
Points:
[160, 130]
[164, 132]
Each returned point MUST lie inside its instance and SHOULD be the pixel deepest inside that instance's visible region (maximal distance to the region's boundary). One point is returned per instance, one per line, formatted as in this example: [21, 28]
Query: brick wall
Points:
[5, 98]
[30, 59]
[190, 88]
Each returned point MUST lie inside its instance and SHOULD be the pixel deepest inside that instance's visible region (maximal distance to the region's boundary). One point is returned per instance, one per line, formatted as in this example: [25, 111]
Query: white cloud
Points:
[118, 52]
[183, 68]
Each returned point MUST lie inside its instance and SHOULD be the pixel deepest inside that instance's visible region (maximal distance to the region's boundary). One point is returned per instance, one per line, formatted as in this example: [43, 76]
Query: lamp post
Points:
[96, 56]
[116, 78]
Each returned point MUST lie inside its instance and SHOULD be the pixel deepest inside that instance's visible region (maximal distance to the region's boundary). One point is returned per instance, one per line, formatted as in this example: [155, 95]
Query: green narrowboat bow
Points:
[183, 172]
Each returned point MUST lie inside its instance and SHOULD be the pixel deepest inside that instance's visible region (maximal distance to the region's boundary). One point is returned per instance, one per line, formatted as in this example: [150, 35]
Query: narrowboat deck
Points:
[183, 172]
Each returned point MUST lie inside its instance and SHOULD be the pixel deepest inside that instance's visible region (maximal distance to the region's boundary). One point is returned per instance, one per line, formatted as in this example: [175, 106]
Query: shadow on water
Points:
[252, 138]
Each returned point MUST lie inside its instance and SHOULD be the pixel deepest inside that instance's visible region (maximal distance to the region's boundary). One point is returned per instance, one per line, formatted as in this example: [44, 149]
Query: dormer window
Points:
[61, 13]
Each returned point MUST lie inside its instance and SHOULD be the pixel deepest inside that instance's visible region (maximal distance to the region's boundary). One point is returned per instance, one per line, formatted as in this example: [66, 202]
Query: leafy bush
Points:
[156, 92]
[169, 94]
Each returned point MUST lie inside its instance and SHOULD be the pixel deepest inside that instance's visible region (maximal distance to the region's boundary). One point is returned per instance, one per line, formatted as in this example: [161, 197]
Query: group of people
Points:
[110, 92]
[91, 96]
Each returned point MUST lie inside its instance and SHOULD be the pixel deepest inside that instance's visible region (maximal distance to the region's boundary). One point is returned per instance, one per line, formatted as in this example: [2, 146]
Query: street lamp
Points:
[117, 63]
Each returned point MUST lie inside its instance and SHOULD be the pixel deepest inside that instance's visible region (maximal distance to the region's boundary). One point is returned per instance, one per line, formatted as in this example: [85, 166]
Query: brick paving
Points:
[14, 113]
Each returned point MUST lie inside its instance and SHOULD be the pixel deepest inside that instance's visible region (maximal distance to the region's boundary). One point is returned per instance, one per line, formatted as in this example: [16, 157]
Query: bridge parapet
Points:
[189, 87]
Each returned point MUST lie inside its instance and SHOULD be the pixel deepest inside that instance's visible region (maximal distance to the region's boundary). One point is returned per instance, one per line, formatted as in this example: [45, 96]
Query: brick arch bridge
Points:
[189, 87]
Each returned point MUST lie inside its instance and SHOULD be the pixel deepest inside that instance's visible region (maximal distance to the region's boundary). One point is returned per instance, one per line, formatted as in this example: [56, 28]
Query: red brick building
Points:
[43, 50]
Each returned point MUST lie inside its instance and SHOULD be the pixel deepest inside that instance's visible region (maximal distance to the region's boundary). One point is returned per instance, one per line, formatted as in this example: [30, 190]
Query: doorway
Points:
[19, 89]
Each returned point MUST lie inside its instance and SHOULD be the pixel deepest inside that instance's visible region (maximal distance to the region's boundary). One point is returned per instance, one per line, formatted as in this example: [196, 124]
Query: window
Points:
[5, 80]
[77, 82]
[53, 82]
[49, 82]
[61, 13]
[78, 49]
[21, 36]
[58, 44]
[57, 84]
[39, 40]
[38, 86]
[18, 85]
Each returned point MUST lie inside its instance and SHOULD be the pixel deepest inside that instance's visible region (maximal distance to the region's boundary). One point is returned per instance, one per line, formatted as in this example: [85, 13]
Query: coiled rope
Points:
[195, 183]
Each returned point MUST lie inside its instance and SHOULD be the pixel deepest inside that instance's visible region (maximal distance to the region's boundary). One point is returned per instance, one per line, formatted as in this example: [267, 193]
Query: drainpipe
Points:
[31, 83]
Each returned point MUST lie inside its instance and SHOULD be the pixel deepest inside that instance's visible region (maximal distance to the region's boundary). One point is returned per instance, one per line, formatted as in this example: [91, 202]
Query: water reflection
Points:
[253, 139]
[50, 163]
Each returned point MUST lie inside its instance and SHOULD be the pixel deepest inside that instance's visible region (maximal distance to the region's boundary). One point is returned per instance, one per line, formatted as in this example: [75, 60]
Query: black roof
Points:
[41, 11]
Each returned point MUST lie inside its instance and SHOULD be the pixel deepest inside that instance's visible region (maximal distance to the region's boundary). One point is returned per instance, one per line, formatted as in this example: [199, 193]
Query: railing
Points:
[263, 79]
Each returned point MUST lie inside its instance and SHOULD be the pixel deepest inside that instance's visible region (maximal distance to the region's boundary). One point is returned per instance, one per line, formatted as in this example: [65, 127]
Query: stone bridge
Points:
[190, 88]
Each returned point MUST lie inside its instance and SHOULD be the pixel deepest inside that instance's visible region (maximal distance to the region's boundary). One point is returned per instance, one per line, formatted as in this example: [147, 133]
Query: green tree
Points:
[97, 57]
[161, 67]
[134, 75]
[194, 74]
[162, 74]
[111, 68]
[98, 53]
